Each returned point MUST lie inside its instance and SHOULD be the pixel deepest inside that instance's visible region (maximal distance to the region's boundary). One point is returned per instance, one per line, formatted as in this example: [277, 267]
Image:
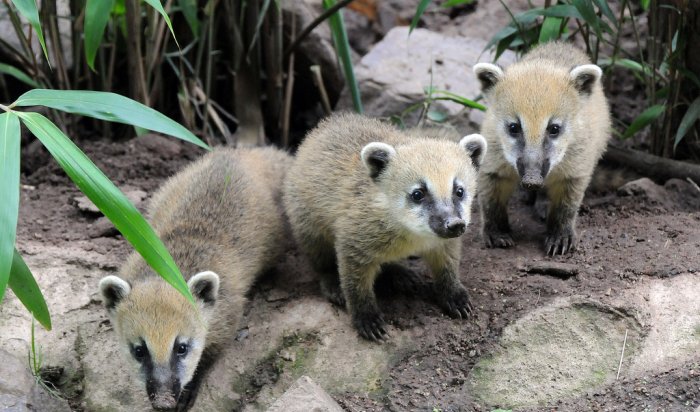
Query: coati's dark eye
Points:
[553, 130]
[459, 192]
[139, 352]
[417, 195]
[514, 129]
[182, 349]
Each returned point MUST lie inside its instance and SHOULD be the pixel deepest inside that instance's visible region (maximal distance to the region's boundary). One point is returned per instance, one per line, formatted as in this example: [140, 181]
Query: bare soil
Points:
[624, 241]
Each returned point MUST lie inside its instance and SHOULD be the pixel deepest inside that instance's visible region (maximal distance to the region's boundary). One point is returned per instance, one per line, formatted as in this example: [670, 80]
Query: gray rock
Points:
[305, 396]
[644, 187]
[396, 72]
[19, 391]
[136, 196]
[103, 227]
[162, 145]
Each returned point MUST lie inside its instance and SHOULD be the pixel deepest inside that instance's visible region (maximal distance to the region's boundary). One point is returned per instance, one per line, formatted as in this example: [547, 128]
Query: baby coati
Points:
[221, 220]
[362, 194]
[547, 124]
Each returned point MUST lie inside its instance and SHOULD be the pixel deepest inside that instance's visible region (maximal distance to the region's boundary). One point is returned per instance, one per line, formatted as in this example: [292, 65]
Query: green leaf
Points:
[585, 7]
[453, 3]
[189, 10]
[258, 24]
[644, 119]
[445, 95]
[96, 18]
[550, 30]
[108, 106]
[645, 4]
[28, 9]
[419, 12]
[18, 74]
[561, 10]
[605, 8]
[9, 193]
[108, 198]
[342, 48]
[437, 116]
[159, 8]
[26, 289]
[689, 118]
[502, 34]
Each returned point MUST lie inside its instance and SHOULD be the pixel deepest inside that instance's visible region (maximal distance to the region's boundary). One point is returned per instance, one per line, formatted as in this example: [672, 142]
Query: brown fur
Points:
[351, 223]
[537, 91]
[222, 214]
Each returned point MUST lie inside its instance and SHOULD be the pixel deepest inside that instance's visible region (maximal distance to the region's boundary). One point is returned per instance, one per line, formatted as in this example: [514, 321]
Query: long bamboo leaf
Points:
[689, 118]
[644, 119]
[30, 12]
[585, 7]
[605, 8]
[26, 289]
[550, 30]
[107, 197]
[159, 8]
[189, 10]
[96, 18]
[445, 95]
[419, 12]
[9, 193]
[108, 106]
[342, 48]
[18, 74]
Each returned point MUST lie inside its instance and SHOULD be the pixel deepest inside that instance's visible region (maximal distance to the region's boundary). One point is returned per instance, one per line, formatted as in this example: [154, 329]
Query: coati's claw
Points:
[498, 240]
[560, 243]
[457, 304]
[371, 326]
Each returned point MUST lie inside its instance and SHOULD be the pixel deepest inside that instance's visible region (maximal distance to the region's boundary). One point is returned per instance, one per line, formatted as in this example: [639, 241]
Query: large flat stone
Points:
[558, 351]
[396, 72]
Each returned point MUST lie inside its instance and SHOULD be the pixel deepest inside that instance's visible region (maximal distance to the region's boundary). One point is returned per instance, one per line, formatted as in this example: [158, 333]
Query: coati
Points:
[221, 220]
[362, 194]
[547, 124]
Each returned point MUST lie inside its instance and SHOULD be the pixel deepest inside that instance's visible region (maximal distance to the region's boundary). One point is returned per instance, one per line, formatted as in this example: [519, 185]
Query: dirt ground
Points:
[625, 241]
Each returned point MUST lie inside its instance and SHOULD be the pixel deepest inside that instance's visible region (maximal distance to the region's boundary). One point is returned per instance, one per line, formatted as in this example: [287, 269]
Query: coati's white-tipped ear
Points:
[113, 290]
[205, 286]
[475, 146]
[488, 75]
[585, 76]
[376, 156]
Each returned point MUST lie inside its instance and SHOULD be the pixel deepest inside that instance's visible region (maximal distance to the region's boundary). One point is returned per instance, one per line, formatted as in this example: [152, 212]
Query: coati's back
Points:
[328, 163]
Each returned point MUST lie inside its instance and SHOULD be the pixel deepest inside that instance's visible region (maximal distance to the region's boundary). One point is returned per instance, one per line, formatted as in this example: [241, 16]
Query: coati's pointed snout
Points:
[533, 181]
[162, 397]
[448, 227]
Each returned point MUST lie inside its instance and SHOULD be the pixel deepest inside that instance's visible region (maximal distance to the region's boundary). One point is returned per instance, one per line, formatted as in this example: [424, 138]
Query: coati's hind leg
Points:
[322, 256]
[564, 201]
[357, 281]
[450, 294]
[494, 193]
[397, 278]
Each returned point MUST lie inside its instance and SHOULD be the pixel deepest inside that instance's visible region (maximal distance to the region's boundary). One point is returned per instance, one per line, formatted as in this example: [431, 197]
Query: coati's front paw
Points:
[456, 303]
[497, 239]
[560, 242]
[370, 325]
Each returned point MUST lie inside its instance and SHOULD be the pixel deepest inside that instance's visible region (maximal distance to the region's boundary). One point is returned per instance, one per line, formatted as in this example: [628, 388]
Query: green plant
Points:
[86, 176]
[35, 360]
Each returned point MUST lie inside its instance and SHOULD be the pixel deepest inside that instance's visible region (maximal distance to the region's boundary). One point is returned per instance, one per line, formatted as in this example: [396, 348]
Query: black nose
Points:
[530, 182]
[455, 227]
